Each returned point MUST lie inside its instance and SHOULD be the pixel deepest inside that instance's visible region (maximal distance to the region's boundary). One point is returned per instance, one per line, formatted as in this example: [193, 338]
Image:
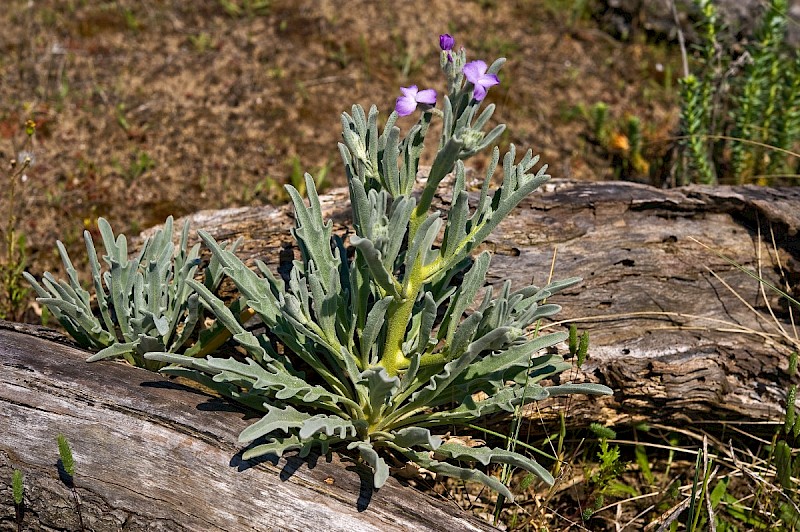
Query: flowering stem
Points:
[398, 316]
[442, 165]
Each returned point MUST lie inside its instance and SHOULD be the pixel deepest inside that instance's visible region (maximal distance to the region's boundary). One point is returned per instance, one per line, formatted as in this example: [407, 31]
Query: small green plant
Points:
[18, 491]
[202, 42]
[599, 122]
[140, 163]
[17, 487]
[635, 161]
[65, 453]
[142, 304]
[122, 120]
[67, 472]
[621, 140]
[14, 296]
[604, 480]
[740, 116]
[376, 354]
[245, 8]
[131, 21]
[578, 345]
[695, 120]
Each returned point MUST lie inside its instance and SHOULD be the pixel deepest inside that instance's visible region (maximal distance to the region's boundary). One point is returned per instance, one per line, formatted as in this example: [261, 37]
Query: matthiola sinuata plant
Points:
[143, 304]
[371, 352]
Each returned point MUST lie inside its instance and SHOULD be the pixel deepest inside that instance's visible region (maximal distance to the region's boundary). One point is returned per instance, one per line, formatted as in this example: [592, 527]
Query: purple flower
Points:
[475, 72]
[446, 42]
[411, 97]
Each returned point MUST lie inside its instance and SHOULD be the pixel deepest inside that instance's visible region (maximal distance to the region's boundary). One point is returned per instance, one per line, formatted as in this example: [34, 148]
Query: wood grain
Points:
[151, 454]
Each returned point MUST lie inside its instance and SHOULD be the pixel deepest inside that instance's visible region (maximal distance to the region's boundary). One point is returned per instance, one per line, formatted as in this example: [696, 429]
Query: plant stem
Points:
[12, 218]
[9, 268]
[399, 314]
[223, 335]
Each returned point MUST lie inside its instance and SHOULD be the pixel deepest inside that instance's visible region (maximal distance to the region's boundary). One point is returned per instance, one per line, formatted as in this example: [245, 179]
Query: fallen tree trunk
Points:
[669, 337]
[674, 342]
[151, 454]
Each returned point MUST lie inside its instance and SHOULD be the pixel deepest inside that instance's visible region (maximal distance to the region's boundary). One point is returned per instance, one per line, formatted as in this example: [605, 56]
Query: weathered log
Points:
[672, 341]
[151, 454]
[741, 17]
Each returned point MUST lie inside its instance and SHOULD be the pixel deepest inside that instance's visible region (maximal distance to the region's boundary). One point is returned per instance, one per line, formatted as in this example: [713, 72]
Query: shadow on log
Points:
[151, 454]
[675, 343]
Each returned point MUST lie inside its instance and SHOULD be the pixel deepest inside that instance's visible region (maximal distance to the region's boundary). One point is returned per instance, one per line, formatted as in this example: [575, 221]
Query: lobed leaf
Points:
[518, 356]
[468, 410]
[279, 445]
[439, 383]
[329, 425]
[473, 281]
[379, 467]
[424, 460]
[414, 436]
[380, 390]
[487, 455]
[275, 419]
[283, 386]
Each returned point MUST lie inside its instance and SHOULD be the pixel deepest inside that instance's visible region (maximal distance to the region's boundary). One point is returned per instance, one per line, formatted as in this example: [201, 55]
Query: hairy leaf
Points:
[379, 272]
[461, 473]
[284, 419]
[439, 382]
[379, 467]
[413, 436]
[381, 388]
[586, 388]
[329, 425]
[486, 456]
[372, 328]
[507, 399]
[279, 445]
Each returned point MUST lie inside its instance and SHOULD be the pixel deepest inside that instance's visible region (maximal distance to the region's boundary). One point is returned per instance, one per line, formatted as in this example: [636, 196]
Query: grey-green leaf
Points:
[487, 455]
[329, 425]
[379, 467]
[412, 436]
[586, 388]
[275, 419]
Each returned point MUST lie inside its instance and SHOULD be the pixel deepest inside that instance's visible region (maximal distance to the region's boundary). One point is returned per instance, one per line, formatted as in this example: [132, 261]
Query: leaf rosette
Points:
[384, 349]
